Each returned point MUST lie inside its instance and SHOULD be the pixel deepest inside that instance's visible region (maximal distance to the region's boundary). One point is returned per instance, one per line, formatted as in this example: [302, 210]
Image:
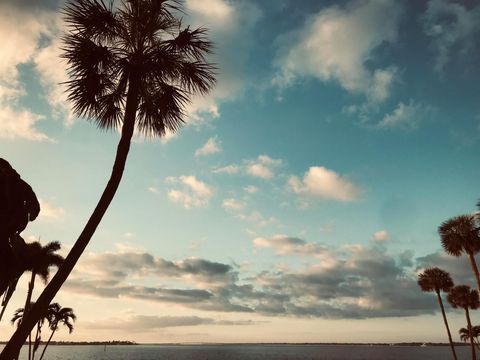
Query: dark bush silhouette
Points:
[18, 206]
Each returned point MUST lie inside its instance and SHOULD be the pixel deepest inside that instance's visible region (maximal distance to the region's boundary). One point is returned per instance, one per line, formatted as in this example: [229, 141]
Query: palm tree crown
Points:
[461, 296]
[435, 279]
[140, 45]
[41, 258]
[460, 235]
[60, 315]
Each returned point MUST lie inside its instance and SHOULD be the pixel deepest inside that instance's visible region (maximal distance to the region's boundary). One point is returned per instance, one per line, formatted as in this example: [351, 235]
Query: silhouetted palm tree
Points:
[435, 279]
[465, 335]
[131, 67]
[17, 318]
[56, 316]
[40, 260]
[460, 235]
[462, 296]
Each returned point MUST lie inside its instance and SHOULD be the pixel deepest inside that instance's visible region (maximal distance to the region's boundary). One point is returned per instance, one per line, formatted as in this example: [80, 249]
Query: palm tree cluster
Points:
[54, 316]
[459, 236]
[133, 65]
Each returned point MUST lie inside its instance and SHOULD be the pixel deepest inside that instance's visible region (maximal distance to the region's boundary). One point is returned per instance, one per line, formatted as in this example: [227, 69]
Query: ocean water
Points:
[249, 352]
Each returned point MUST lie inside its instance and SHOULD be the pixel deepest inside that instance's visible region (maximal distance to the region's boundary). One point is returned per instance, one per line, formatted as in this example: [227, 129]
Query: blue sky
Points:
[302, 195]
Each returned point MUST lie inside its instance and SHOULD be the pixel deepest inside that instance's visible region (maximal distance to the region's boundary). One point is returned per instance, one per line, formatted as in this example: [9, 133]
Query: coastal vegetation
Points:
[459, 235]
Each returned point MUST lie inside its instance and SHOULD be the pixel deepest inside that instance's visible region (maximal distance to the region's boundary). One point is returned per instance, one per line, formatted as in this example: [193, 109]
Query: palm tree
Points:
[40, 260]
[459, 236]
[134, 66]
[465, 335]
[435, 279]
[462, 296]
[58, 315]
[18, 317]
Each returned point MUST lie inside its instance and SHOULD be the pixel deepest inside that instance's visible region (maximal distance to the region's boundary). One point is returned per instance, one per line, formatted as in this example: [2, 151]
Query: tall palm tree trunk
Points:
[48, 342]
[440, 302]
[473, 263]
[470, 333]
[18, 338]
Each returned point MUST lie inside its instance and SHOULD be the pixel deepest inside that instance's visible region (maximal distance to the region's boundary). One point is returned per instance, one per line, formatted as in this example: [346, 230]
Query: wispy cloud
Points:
[193, 192]
[453, 28]
[212, 146]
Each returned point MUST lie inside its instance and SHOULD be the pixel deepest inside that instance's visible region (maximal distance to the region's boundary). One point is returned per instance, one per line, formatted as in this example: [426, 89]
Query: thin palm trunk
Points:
[470, 333]
[440, 302]
[52, 288]
[37, 339]
[26, 308]
[473, 263]
[48, 342]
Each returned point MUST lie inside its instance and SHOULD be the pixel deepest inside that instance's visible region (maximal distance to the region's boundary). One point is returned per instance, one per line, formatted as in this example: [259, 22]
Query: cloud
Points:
[405, 116]
[250, 189]
[20, 124]
[233, 204]
[356, 283]
[335, 44]
[285, 245]
[257, 218]
[262, 167]
[50, 211]
[231, 26]
[229, 169]
[211, 147]
[321, 182]
[141, 323]
[380, 237]
[453, 27]
[193, 192]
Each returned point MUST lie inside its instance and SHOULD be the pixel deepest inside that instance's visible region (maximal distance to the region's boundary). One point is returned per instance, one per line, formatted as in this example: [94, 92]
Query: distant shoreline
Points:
[130, 343]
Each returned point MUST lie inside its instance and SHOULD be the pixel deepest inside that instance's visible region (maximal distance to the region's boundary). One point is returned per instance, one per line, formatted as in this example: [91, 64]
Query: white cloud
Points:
[286, 245]
[50, 211]
[453, 27]
[263, 167]
[380, 237]
[193, 192]
[153, 189]
[233, 204]
[335, 43]
[323, 183]
[405, 116]
[229, 169]
[20, 46]
[210, 147]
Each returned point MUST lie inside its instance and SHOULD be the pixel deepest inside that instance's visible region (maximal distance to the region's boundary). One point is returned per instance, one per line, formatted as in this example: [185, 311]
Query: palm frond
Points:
[91, 18]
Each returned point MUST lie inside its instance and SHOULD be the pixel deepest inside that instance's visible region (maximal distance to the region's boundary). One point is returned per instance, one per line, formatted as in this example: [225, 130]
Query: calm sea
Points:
[250, 352]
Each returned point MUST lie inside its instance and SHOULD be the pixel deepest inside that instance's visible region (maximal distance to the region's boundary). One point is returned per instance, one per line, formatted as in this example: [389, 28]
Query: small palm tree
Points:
[18, 317]
[56, 316]
[435, 279]
[132, 66]
[40, 260]
[465, 335]
[462, 296]
[459, 236]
